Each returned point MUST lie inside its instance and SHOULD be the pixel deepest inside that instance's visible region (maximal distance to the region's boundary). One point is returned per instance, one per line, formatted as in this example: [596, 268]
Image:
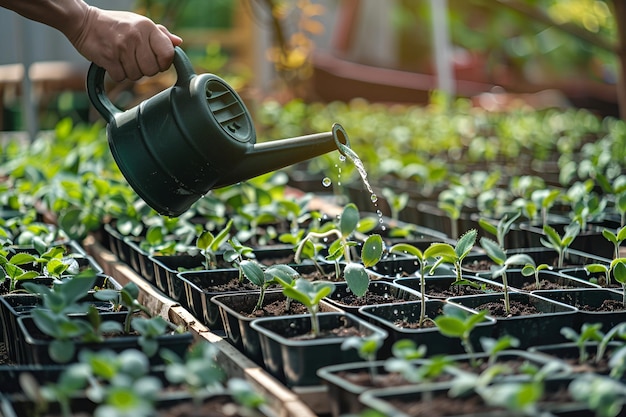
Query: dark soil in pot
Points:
[517, 308]
[275, 308]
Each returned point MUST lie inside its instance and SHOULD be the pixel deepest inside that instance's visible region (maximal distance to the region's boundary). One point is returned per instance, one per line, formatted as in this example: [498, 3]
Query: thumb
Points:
[176, 40]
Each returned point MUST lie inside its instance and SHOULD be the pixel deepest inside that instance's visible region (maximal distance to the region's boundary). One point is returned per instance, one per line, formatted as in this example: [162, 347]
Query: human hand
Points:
[125, 44]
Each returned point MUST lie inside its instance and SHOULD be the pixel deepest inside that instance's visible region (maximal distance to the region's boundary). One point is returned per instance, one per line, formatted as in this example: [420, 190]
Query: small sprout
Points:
[460, 324]
[531, 270]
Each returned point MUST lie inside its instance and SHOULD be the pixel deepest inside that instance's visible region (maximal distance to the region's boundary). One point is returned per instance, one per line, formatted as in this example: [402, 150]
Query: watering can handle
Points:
[99, 99]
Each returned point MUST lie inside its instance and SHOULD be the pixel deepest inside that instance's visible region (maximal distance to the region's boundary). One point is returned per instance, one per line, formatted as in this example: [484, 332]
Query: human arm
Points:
[125, 44]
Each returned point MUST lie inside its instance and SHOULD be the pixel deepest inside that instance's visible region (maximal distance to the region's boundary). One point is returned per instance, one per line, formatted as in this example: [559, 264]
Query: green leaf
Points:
[357, 278]
[23, 258]
[349, 220]
[494, 251]
[406, 248]
[372, 250]
[466, 243]
[205, 239]
[450, 326]
[619, 272]
[253, 272]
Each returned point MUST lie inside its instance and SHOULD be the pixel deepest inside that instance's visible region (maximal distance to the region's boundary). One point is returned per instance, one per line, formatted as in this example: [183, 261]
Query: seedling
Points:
[340, 248]
[456, 255]
[588, 332]
[545, 199]
[435, 250]
[604, 395]
[366, 347]
[604, 270]
[501, 229]
[558, 243]
[619, 272]
[494, 346]
[209, 244]
[125, 298]
[263, 278]
[615, 238]
[397, 201]
[498, 255]
[530, 269]
[118, 383]
[237, 254]
[451, 201]
[52, 317]
[310, 294]
[403, 361]
[458, 324]
[198, 371]
[355, 274]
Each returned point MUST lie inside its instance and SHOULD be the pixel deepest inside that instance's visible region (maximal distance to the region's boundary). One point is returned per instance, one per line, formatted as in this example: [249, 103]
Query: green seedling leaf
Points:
[253, 272]
[357, 278]
[23, 258]
[372, 250]
[349, 220]
[466, 243]
[306, 292]
[619, 270]
[494, 251]
[405, 248]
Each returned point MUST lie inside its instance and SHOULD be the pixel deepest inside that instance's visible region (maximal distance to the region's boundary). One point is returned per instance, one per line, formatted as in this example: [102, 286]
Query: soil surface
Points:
[436, 291]
[496, 309]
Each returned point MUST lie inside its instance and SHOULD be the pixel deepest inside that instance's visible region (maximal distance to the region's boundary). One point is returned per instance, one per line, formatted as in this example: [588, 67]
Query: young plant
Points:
[355, 274]
[619, 273]
[435, 250]
[397, 201]
[209, 244]
[558, 243]
[367, 348]
[237, 254]
[264, 277]
[604, 395]
[451, 201]
[530, 269]
[588, 332]
[615, 238]
[310, 294]
[341, 247]
[118, 383]
[501, 229]
[455, 255]
[125, 299]
[403, 361]
[494, 346]
[498, 255]
[458, 324]
[545, 199]
[53, 319]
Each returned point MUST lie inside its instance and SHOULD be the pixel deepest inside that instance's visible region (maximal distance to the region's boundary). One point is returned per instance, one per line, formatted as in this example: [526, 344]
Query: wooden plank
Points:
[281, 400]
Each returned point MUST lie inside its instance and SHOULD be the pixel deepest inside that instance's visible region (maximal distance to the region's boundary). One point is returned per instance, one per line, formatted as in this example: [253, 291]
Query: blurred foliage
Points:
[506, 38]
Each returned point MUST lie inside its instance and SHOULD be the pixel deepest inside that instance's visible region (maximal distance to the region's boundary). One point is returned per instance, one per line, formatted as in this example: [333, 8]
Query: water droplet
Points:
[326, 182]
[374, 198]
[342, 158]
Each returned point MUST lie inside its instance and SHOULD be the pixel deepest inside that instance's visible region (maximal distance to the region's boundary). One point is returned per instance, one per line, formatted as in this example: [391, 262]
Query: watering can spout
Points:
[273, 155]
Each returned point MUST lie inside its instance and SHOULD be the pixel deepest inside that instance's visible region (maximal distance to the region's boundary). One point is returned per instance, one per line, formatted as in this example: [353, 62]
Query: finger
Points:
[175, 39]
[162, 48]
[131, 67]
[147, 59]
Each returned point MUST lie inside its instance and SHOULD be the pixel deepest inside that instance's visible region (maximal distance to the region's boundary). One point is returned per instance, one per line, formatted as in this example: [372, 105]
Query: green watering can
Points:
[192, 137]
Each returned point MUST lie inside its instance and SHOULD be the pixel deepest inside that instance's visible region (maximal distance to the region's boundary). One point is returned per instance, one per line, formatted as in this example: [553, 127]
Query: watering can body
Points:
[194, 136]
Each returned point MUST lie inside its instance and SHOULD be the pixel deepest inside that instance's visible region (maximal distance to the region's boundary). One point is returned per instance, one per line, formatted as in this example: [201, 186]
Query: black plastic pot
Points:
[237, 325]
[201, 286]
[296, 361]
[34, 349]
[440, 283]
[588, 301]
[533, 329]
[393, 293]
[391, 317]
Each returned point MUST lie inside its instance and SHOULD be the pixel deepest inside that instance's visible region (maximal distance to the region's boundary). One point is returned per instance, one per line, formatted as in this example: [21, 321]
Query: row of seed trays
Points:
[469, 275]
